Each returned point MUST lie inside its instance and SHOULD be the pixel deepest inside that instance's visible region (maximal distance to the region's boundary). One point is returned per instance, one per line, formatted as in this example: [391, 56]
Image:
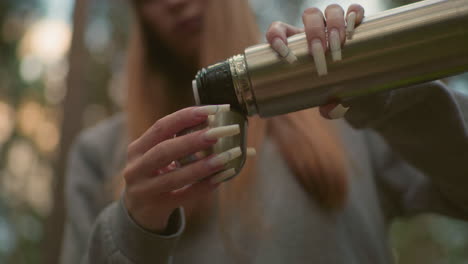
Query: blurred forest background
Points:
[61, 67]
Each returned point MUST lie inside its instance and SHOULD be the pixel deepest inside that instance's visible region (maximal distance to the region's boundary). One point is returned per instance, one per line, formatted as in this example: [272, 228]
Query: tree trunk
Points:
[74, 103]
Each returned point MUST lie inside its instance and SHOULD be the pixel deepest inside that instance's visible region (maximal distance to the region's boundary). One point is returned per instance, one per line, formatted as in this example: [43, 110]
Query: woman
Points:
[318, 191]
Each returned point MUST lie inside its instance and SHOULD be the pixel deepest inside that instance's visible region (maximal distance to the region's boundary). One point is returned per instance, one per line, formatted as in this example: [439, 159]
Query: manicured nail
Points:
[251, 152]
[222, 176]
[196, 95]
[338, 112]
[222, 131]
[212, 109]
[350, 24]
[225, 157]
[335, 44]
[284, 51]
[319, 57]
[291, 58]
[211, 119]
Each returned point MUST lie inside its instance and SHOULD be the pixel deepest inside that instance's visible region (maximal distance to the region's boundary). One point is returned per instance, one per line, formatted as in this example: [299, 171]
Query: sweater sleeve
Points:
[116, 238]
[419, 142]
[109, 235]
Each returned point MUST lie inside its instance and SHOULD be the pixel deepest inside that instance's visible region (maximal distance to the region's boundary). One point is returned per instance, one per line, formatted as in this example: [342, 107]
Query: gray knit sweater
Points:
[408, 151]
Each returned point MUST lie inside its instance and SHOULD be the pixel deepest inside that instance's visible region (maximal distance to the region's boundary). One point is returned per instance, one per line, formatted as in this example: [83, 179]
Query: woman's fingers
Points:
[282, 31]
[193, 172]
[176, 148]
[314, 26]
[335, 32]
[150, 198]
[334, 15]
[277, 35]
[166, 127]
[321, 35]
[354, 17]
[222, 176]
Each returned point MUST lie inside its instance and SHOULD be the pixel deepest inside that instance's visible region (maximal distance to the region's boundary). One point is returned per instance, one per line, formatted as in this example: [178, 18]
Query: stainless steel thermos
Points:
[411, 44]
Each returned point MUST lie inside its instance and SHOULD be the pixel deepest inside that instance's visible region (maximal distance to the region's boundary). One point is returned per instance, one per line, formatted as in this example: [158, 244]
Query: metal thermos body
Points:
[396, 48]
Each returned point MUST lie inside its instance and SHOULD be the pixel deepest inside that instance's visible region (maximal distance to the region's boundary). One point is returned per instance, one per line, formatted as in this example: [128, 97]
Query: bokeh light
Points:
[40, 124]
[28, 179]
[38, 192]
[35, 39]
[54, 80]
[7, 122]
[47, 136]
[21, 158]
[29, 117]
[47, 40]
[31, 68]
[97, 36]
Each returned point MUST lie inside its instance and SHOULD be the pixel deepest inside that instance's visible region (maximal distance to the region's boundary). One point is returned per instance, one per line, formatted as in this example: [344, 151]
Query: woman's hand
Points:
[324, 33]
[155, 186]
